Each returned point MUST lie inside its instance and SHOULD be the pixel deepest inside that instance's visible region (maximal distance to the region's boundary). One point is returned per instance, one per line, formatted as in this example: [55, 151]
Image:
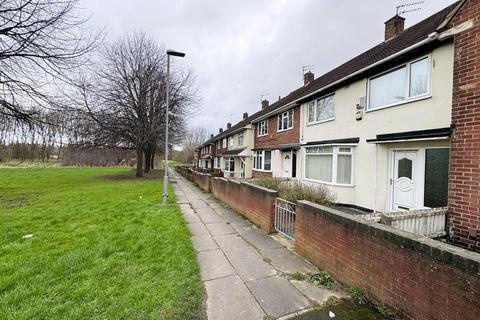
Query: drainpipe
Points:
[375, 182]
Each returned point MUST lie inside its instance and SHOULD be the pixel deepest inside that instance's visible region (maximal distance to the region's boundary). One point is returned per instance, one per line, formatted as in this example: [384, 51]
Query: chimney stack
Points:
[265, 104]
[394, 26]
[220, 130]
[229, 125]
[245, 115]
[308, 77]
[211, 136]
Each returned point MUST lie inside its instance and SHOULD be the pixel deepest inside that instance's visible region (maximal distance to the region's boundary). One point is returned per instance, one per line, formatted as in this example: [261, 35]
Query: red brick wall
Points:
[274, 138]
[202, 180]
[255, 203]
[261, 174]
[424, 279]
[464, 185]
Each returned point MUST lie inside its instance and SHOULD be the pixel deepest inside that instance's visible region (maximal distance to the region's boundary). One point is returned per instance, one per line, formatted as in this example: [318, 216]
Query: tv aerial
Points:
[409, 7]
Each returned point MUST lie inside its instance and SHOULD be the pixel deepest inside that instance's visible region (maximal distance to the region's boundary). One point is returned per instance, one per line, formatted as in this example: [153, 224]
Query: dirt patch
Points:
[12, 202]
[152, 175]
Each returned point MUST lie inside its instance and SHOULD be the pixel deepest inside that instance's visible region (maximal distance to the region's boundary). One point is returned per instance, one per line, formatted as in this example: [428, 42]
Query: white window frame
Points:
[230, 141]
[315, 110]
[280, 118]
[229, 159]
[216, 162]
[409, 99]
[224, 143]
[335, 153]
[238, 138]
[261, 153]
[262, 128]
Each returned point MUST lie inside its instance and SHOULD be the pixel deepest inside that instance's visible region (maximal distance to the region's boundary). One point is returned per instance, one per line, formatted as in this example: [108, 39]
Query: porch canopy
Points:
[235, 153]
[419, 135]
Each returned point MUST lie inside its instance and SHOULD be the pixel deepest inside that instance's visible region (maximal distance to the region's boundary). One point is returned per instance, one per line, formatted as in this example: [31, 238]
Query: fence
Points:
[285, 218]
[430, 222]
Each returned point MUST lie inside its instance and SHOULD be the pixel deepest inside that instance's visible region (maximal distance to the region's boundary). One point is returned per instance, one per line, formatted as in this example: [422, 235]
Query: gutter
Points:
[432, 37]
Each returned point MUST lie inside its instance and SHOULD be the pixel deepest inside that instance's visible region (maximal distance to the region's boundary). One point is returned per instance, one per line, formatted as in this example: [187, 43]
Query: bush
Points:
[295, 190]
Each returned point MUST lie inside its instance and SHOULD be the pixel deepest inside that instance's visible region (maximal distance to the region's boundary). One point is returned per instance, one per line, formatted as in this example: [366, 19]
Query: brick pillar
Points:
[464, 184]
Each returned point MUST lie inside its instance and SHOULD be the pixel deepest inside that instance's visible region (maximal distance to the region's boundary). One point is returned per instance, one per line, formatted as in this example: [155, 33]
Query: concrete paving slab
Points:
[287, 261]
[204, 242]
[277, 296]
[191, 217]
[316, 294]
[249, 264]
[232, 242]
[213, 265]
[219, 228]
[229, 298]
[197, 228]
[210, 217]
[260, 240]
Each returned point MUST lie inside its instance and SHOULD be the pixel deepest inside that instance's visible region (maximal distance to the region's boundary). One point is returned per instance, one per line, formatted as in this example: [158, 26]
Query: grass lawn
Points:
[101, 249]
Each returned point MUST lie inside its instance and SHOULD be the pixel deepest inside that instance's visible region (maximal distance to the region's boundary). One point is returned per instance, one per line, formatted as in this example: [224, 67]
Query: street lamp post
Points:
[165, 167]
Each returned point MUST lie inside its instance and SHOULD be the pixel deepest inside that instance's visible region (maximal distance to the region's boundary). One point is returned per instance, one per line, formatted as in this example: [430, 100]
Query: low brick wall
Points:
[424, 278]
[185, 172]
[254, 202]
[202, 180]
[260, 174]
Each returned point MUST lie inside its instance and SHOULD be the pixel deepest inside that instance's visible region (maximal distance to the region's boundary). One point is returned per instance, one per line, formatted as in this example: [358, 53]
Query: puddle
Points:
[344, 310]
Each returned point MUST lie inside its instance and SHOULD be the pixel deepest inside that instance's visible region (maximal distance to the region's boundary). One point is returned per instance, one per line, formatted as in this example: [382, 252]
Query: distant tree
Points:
[125, 99]
[193, 138]
[42, 43]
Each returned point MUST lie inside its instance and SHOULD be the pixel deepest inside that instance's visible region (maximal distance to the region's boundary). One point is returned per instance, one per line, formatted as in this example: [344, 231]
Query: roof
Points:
[407, 38]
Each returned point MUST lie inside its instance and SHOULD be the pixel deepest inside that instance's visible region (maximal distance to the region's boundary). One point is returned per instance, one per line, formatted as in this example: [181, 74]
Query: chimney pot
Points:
[265, 104]
[308, 77]
[211, 136]
[394, 26]
[220, 130]
[229, 125]
[245, 115]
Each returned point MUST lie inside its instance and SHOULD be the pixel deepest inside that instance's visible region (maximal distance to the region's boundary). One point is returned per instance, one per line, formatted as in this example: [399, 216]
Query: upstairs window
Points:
[230, 141]
[285, 120]
[240, 139]
[322, 109]
[262, 160]
[224, 143]
[262, 128]
[407, 82]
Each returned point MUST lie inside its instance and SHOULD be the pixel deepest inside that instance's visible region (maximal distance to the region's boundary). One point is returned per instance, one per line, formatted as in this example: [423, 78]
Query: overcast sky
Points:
[241, 50]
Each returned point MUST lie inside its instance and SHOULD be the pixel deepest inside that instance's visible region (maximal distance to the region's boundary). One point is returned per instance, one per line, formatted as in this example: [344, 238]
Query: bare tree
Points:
[41, 43]
[125, 100]
[192, 139]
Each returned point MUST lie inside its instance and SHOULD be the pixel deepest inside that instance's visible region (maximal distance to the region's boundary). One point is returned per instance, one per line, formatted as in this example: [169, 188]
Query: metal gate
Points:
[285, 217]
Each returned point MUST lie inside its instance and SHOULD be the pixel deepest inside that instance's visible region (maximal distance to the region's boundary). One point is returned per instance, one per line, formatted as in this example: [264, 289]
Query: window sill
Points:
[318, 122]
[262, 135]
[330, 183]
[420, 98]
[260, 170]
[285, 130]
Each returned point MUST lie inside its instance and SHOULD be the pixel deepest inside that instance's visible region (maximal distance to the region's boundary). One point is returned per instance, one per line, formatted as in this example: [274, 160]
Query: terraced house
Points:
[395, 128]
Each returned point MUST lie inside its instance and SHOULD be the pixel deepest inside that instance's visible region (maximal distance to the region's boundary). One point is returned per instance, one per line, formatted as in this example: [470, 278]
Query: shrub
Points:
[323, 279]
[295, 190]
[385, 311]
[358, 295]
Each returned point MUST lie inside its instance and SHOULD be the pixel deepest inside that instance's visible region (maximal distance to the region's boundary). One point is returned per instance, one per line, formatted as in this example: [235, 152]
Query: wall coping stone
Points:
[271, 192]
[460, 258]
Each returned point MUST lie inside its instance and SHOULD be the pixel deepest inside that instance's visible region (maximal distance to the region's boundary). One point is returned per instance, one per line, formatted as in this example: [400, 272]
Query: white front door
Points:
[403, 180]
[287, 165]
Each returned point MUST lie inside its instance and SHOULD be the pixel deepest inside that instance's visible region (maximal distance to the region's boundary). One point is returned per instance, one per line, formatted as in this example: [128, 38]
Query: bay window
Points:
[285, 120]
[262, 128]
[407, 82]
[262, 160]
[331, 164]
[322, 109]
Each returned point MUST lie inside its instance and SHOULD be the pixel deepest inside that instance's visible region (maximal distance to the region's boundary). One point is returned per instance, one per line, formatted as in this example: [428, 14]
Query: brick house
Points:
[395, 128]
[206, 154]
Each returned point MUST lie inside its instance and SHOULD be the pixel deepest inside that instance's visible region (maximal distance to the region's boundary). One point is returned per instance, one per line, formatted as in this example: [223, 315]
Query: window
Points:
[262, 160]
[402, 84]
[230, 141]
[219, 145]
[322, 109]
[240, 139]
[332, 164]
[216, 162]
[262, 128]
[285, 120]
[230, 164]
[224, 143]
[436, 177]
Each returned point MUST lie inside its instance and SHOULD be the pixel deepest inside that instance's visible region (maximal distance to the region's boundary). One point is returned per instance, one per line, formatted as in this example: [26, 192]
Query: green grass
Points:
[101, 249]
